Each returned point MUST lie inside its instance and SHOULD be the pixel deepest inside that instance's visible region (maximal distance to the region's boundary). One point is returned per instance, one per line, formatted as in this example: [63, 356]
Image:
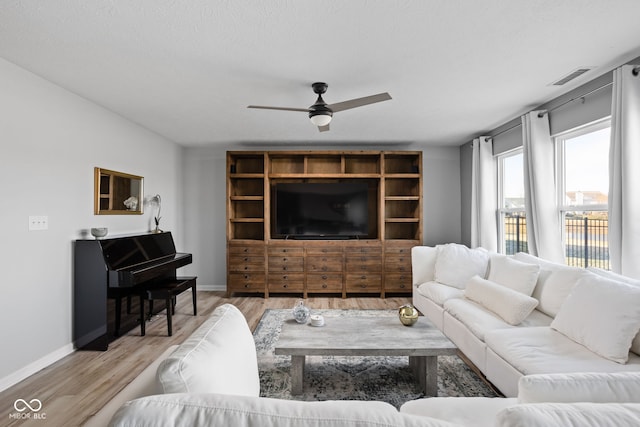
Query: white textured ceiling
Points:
[187, 69]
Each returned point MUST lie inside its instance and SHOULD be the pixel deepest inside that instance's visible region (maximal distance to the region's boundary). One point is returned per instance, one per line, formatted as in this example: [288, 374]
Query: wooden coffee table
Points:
[366, 336]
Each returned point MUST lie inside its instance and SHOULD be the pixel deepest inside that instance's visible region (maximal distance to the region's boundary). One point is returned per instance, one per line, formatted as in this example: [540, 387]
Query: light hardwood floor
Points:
[77, 386]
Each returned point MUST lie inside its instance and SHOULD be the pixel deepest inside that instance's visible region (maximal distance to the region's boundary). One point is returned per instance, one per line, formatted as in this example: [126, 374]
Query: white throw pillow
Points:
[602, 315]
[512, 306]
[517, 275]
[456, 264]
[635, 345]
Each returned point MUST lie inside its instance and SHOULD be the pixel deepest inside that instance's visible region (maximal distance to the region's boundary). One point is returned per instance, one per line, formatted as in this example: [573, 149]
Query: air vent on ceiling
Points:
[572, 75]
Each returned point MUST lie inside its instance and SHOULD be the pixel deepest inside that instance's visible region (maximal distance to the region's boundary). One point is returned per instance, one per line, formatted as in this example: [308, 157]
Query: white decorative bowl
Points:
[99, 232]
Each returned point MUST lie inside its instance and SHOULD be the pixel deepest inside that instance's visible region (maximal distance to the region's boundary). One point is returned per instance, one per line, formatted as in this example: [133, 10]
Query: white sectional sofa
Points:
[520, 315]
[212, 380]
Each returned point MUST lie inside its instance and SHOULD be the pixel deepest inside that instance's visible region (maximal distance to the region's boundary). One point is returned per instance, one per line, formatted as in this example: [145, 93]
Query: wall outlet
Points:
[38, 222]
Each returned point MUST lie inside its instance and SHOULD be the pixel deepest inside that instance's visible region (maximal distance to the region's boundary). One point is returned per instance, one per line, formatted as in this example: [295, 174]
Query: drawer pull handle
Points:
[285, 277]
[284, 268]
[363, 286]
[363, 277]
[247, 286]
[402, 286]
[246, 259]
[285, 286]
[324, 286]
[246, 276]
[284, 260]
[324, 277]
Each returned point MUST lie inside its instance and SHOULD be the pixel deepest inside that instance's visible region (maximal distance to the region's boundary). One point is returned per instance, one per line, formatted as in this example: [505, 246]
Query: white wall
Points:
[205, 194]
[50, 141]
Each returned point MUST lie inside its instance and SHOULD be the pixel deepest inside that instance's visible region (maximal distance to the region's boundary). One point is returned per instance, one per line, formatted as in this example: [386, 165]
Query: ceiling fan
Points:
[320, 113]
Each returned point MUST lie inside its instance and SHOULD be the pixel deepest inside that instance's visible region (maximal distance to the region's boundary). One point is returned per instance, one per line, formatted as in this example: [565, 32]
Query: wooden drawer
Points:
[285, 250]
[364, 263]
[363, 250]
[286, 282]
[324, 250]
[364, 283]
[246, 263]
[246, 250]
[398, 250]
[324, 282]
[318, 264]
[246, 282]
[286, 263]
[397, 282]
[397, 263]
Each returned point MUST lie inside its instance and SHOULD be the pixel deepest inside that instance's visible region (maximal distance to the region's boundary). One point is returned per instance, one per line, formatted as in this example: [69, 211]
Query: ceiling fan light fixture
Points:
[322, 118]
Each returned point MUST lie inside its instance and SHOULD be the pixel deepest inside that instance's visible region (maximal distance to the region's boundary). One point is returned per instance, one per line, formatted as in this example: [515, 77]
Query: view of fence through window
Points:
[583, 183]
[585, 238]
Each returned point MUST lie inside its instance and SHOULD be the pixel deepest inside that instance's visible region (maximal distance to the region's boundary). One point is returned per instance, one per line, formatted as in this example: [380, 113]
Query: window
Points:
[583, 187]
[512, 227]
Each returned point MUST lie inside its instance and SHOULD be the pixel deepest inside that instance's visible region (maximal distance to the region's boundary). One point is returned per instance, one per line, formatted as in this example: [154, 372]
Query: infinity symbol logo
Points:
[22, 405]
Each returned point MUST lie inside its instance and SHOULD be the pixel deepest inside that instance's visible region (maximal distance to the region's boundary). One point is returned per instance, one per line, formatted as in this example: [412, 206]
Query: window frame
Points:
[559, 141]
[501, 210]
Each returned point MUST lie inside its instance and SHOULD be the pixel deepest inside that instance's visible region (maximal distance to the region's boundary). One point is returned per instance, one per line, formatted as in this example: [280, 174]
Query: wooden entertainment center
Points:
[259, 260]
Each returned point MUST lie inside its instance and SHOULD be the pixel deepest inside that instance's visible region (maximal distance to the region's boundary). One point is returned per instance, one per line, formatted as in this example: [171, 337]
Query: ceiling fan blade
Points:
[359, 102]
[263, 107]
[324, 128]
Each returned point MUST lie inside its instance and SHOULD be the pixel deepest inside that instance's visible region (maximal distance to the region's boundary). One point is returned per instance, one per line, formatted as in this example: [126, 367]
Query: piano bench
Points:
[168, 292]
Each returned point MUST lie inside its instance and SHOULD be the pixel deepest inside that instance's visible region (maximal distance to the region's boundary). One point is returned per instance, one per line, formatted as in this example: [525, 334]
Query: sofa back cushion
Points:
[456, 264]
[554, 283]
[570, 415]
[219, 357]
[617, 387]
[423, 262]
[517, 275]
[246, 411]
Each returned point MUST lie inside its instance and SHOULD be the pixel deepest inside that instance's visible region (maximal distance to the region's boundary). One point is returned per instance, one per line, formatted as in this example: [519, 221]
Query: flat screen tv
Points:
[321, 210]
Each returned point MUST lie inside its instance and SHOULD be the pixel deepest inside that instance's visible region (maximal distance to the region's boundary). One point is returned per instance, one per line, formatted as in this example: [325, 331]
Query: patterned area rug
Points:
[388, 379]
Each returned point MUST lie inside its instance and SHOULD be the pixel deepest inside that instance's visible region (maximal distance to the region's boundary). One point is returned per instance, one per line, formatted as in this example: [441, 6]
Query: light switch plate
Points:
[38, 222]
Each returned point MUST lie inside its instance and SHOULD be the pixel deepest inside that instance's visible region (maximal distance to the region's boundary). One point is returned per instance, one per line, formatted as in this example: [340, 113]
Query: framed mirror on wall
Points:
[117, 193]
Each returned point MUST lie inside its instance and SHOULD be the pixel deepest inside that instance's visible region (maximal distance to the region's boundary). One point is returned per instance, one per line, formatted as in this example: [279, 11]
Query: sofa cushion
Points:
[517, 275]
[467, 411]
[620, 387]
[542, 350]
[512, 306]
[601, 314]
[218, 357]
[247, 411]
[456, 264]
[423, 263]
[570, 415]
[439, 293]
[479, 320]
[635, 345]
[555, 281]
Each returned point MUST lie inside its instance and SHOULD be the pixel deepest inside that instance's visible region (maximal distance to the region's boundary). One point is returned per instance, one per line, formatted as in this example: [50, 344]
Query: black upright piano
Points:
[110, 269]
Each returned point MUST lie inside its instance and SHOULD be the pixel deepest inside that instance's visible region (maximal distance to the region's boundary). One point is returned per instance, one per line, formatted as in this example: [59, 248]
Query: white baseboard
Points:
[36, 366]
[211, 287]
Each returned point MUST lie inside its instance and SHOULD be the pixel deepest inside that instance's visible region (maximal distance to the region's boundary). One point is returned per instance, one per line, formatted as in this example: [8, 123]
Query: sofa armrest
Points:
[618, 387]
[423, 261]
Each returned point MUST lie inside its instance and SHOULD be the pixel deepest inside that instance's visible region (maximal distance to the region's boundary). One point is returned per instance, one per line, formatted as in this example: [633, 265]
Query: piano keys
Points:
[108, 270]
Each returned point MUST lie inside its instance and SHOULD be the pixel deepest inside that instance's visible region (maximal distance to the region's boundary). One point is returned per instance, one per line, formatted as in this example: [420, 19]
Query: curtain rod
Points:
[635, 72]
[557, 106]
